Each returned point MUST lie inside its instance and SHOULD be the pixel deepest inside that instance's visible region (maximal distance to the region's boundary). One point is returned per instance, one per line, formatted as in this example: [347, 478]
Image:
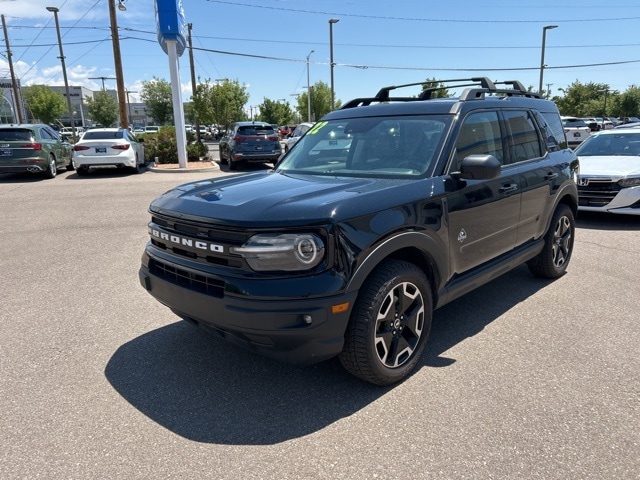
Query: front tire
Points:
[389, 325]
[554, 258]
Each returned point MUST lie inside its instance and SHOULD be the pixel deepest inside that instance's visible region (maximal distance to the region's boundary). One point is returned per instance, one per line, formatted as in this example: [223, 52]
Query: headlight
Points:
[287, 251]
[629, 182]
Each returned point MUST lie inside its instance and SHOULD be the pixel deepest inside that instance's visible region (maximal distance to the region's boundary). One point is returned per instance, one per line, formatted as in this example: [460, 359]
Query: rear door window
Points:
[524, 142]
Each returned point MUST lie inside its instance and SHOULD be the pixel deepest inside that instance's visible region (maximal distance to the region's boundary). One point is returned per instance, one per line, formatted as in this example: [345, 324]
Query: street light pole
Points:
[308, 90]
[544, 39]
[331, 22]
[55, 11]
[122, 106]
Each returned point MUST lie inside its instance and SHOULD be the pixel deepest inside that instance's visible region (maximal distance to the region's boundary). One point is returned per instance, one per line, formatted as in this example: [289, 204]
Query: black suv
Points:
[386, 209]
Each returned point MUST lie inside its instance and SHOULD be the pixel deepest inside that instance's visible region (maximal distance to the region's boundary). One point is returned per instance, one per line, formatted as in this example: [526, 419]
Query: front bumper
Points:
[274, 328]
[626, 201]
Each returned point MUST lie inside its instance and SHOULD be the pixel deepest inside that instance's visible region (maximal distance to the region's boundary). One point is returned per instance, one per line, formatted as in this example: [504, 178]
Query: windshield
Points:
[369, 146]
[610, 144]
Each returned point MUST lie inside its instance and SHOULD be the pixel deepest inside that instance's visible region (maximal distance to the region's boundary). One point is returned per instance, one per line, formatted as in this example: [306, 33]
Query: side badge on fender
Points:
[462, 236]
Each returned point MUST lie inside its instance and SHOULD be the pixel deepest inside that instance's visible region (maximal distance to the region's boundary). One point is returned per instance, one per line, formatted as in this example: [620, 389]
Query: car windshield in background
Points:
[623, 144]
[97, 135]
[369, 146]
[15, 135]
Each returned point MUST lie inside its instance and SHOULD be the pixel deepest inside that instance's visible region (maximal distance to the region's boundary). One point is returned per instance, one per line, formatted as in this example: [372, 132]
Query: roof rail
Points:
[483, 85]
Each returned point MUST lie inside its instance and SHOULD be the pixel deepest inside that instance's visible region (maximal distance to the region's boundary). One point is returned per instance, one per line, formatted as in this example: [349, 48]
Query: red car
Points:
[286, 130]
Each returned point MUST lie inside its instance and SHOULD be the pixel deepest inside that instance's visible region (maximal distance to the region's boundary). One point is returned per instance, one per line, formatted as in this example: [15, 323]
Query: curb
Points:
[211, 167]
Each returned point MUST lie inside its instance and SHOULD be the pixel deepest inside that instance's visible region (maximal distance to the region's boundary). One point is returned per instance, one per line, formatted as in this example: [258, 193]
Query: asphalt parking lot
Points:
[523, 378]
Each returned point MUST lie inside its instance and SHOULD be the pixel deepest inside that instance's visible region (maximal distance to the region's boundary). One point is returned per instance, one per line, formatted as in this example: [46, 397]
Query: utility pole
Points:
[193, 83]
[103, 79]
[14, 84]
[55, 11]
[122, 104]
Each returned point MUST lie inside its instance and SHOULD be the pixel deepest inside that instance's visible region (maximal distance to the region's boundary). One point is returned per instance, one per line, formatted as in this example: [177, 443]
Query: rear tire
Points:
[233, 165]
[389, 325]
[52, 169]
[554, 258]
[139, 167]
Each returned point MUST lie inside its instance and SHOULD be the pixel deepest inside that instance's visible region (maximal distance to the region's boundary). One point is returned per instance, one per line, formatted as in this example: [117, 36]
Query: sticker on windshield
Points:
[316, 128]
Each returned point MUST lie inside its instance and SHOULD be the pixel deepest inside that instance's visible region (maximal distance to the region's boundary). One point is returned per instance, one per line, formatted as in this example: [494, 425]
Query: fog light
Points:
[307, 319]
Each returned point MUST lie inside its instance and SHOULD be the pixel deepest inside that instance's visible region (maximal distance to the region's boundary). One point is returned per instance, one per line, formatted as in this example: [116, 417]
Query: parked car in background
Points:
[299, 131]
[592, 123]
[609, 178]
[630, 120]
[249, 142]
[151, 129]
[286, 130]
[34, 148]
[576, 130]
[102, 147]
[604, 123]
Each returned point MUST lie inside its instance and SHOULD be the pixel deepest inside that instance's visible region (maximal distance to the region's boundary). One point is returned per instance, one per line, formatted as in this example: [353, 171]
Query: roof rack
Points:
[482, 86]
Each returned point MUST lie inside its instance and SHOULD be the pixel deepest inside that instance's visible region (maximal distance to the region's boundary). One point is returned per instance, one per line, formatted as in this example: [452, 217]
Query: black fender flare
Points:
[431, 247]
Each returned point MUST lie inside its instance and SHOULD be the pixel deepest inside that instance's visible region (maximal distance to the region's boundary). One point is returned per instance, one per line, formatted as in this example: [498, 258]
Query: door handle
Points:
[508, 188]
[550, 176]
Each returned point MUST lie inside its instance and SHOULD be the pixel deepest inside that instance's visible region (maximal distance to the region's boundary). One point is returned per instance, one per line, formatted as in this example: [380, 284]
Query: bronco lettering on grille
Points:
[186, 242]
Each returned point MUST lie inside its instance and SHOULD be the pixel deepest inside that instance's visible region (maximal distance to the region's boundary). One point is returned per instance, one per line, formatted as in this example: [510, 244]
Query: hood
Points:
[265, 198]
[609, 166]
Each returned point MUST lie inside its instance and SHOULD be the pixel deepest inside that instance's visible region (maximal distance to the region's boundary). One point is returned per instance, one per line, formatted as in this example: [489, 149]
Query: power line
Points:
[415, 19]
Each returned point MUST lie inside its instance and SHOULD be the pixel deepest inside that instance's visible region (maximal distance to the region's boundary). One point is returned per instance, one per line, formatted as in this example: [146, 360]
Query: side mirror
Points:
[478, 167]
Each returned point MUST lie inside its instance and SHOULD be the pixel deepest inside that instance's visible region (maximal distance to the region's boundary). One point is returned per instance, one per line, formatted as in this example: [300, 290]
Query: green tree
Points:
[44, 103]
[626, 104]
[583, 100]
[220, 103]
[440, 91]
[156, 94]
[102, 108]
[275, 111]
[320, 102]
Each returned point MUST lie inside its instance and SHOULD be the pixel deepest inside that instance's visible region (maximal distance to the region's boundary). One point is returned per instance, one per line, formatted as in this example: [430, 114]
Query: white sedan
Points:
[100, 147]
[609, 179]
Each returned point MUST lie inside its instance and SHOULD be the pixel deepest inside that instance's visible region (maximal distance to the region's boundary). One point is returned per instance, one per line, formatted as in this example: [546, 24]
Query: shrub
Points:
[164, 146]
[196, 150]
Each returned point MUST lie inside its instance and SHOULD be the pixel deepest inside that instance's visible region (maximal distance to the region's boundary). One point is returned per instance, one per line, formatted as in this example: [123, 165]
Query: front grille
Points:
[598, 193]
[205, 244]
[187, 278]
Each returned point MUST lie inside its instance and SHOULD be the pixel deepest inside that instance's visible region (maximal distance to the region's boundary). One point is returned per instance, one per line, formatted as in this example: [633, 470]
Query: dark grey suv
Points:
[249, 142]
[384, 211]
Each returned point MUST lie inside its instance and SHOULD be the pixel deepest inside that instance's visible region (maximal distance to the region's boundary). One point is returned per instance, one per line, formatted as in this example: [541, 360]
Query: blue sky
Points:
[264, 44]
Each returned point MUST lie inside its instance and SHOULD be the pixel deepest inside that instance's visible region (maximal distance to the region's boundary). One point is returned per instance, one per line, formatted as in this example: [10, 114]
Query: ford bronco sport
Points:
[386, 209]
